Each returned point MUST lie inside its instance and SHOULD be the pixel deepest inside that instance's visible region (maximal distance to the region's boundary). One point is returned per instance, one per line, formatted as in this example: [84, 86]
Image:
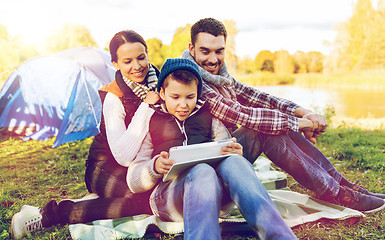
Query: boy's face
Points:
[180, 98]
[209, 51]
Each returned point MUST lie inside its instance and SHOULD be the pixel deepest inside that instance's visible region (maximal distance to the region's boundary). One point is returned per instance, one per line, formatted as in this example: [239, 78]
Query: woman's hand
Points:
[152, 97]
[232, 148]
[162, 163]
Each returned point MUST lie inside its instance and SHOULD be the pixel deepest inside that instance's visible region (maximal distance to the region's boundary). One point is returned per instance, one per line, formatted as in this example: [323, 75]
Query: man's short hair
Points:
[208, 25]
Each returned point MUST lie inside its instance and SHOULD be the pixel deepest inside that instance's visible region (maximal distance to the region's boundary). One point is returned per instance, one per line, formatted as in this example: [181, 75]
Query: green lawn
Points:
[33, 173]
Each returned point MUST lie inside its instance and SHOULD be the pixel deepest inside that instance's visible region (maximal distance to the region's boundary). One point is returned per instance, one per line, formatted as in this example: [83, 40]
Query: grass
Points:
[33, 173]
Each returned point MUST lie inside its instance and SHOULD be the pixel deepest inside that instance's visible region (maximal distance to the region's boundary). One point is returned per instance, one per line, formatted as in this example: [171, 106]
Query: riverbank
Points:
[368, 80]
[371, 124]
[356, 99]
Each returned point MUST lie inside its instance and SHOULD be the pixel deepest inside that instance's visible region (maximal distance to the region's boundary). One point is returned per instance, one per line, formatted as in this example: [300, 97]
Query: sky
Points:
[293, 25]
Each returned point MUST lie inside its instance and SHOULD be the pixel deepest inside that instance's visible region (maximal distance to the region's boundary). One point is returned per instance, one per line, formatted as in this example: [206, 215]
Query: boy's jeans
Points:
[196, 197]
[294, 154]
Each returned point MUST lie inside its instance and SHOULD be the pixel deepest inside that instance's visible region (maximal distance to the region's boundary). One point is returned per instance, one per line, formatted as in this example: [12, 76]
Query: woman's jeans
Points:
[197, 196]
[294, 154]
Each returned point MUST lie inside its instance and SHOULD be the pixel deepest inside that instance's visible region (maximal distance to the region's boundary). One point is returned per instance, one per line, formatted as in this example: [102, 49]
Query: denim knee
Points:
[197, 190]
[235, 163]
[204, 183]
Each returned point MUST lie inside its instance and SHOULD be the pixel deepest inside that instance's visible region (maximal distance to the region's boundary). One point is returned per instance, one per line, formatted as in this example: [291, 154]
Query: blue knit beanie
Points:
[173, 64]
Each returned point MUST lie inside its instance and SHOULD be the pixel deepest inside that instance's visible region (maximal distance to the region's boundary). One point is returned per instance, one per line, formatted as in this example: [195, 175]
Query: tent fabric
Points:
[56, 95]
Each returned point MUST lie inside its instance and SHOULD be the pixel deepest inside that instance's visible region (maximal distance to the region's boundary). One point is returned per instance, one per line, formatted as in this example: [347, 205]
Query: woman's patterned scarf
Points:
[141, 89]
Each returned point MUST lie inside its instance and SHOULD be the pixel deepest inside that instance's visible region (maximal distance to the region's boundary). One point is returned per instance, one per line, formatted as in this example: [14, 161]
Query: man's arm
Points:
[249, 96]
[264, 120]
[319, 121]
[252, 97]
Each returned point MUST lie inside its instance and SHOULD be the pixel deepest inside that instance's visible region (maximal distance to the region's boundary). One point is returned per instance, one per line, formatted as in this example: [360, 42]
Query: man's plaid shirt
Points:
[252, 109]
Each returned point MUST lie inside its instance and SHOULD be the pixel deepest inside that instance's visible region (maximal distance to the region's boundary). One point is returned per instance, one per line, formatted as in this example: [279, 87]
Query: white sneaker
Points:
[26, 221]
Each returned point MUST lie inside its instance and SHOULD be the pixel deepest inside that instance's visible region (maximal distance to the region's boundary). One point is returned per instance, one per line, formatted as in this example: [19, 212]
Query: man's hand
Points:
[306, 126]
[152, 97]
[319, 122]
[162, 163]
[232, 148]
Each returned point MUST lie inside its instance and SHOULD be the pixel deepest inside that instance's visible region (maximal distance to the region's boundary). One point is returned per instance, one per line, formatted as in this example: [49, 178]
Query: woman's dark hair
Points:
[120, 38]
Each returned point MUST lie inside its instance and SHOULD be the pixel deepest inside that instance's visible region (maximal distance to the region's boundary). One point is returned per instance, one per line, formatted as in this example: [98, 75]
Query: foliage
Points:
[3, 32]
[283, 62]
[178, 44]
[154, 46]
[245, 65]
[300, 62]
[69, 36]
[231, 58]
[265, 78]
[264, 61]
[15, 50]
[360, 43]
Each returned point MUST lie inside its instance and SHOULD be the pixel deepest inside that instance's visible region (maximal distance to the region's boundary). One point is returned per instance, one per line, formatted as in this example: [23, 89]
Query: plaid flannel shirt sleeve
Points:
[253, 109]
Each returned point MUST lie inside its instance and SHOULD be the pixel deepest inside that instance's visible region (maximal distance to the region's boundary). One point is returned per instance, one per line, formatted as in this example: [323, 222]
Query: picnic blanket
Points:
[294, 207]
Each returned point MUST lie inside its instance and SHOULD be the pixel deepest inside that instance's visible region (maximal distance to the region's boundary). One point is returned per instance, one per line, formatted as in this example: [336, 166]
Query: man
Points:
[264, 129]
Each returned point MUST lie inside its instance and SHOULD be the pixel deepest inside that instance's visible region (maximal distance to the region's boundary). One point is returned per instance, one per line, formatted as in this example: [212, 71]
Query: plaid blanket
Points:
[295, 209]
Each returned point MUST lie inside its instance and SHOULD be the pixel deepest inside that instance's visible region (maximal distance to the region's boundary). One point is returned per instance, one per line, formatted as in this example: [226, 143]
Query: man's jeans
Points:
[197, 196]
[294, 154]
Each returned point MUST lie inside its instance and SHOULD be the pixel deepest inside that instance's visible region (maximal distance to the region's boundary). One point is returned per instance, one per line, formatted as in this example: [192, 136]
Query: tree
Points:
[246, 66]
[154, 52]
[373, 54]
[70, 36]
[314, 62]
[264, 61]
[178, 44]
[300, 62]
[14, 51]
[9, 55]
[268, 66]
[9, 58]
[231, 57]
[3, 32]
[283, 62]
[352, 39]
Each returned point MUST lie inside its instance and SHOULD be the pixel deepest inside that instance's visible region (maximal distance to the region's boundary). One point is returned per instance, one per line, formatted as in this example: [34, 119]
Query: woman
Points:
[109, 155]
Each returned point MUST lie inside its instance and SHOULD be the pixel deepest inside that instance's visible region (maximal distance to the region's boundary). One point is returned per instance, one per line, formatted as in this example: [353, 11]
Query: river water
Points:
[352, 103]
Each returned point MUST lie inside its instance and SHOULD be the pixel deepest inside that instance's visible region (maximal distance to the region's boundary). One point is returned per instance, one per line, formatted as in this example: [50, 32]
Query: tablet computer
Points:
[190, 155]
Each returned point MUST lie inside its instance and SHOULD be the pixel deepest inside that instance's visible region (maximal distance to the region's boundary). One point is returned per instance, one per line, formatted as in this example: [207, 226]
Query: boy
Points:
[196, 196]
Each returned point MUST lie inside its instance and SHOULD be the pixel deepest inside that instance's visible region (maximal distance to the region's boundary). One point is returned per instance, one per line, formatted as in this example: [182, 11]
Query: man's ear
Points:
[161, 94]
[191, 49]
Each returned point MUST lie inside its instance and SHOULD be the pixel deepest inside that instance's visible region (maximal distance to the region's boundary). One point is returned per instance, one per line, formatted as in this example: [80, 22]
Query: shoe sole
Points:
[12, 226]
[376, 209]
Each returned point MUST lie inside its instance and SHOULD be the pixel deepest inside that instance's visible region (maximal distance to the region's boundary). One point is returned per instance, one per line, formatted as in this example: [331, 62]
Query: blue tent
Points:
[56, 95]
